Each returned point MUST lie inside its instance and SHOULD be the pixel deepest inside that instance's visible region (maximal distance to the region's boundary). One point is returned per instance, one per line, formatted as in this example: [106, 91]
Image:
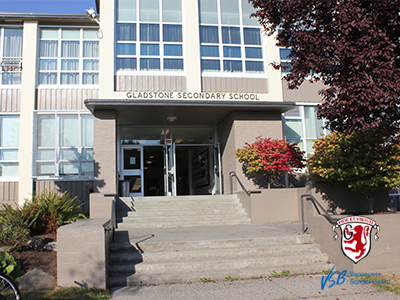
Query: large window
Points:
[68, 56]
[64, 144]
[301, 126]
[10, 55]
[230, 40]
[9, 143]
[149, 36]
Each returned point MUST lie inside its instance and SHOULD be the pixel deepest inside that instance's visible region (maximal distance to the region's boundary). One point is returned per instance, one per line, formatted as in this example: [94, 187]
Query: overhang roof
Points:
[188, 112]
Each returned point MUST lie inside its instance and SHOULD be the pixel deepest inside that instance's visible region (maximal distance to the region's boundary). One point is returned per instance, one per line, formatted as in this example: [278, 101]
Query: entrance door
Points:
[132, 168]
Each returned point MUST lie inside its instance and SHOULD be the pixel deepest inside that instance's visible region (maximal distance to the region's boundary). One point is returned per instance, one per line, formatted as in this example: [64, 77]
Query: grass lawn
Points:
[72, 293]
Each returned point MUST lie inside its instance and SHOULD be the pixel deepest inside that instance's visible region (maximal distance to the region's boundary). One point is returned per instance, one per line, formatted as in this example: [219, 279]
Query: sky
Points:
[47, 6]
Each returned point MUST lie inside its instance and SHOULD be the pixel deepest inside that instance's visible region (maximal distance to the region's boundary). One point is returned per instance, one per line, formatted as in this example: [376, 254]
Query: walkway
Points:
[292, 287]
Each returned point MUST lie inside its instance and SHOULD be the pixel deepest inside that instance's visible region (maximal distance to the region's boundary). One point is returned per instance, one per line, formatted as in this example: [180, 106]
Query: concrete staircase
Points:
[181, 211]
[180, 245]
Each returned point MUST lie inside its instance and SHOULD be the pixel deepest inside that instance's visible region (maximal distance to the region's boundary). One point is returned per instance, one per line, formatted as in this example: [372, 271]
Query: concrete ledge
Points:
[82, 257]
[273, 205]
[100, 206]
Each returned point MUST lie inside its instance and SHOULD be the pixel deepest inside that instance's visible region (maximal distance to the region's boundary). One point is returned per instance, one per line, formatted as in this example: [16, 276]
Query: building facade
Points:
[150, 99]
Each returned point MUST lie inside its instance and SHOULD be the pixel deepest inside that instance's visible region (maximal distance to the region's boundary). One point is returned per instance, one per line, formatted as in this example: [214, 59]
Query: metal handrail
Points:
[316, 204]
[113, 219]
[231, 174]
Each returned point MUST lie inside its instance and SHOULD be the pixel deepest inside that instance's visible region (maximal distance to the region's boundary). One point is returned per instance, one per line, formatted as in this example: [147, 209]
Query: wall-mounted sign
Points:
[191, 95]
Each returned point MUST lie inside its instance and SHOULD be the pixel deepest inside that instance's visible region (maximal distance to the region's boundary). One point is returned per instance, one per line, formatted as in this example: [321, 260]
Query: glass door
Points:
[132, 169]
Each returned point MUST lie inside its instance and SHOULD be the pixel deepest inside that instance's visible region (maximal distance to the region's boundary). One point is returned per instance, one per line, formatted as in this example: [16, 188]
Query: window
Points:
[285, 60]
[64, 144]
[301, 126]
[9, 143]
[10, 55]
[69, 56]
[228, 42]
[149, 36]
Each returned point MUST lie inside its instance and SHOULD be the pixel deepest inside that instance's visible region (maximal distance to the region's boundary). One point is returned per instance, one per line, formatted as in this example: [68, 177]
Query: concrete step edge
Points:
[221, 264]
[137, 279]
[219, 243]
[226, 253]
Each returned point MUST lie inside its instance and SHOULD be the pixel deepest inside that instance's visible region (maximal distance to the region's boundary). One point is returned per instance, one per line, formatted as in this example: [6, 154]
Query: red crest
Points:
[356, 236]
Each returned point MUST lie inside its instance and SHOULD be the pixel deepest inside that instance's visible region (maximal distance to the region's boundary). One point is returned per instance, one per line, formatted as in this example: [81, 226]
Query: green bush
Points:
[15, 223]
[9, 266]
[55, 210]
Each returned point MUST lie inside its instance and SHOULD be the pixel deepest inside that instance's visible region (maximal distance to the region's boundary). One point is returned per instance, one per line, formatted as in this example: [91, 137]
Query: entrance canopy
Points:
[187, 112]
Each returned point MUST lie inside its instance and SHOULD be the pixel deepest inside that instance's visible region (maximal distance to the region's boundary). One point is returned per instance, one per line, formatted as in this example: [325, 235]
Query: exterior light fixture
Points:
[91, 14]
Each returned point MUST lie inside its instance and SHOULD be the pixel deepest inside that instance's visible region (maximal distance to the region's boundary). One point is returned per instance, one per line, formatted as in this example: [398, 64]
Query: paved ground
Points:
[292, 287]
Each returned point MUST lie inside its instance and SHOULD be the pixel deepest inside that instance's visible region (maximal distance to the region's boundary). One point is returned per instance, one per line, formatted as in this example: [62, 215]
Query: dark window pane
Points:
[255, 66]
[252, 52]
[172, 50]
[126, 32]
[232, 51]
[172, 33]
[230, 35]
[173, 64]
[252, 36]
[126, 64]
[149, 32]
[209, 34]
[210, 65]
[233, 66]
[150, 64]
[149, 49]
[209, 51]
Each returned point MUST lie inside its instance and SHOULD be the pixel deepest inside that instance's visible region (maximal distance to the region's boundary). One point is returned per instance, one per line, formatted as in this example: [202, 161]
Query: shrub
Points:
[55, 210]
[270, 157]
[9, 266]
[366, 161]
[15, 223]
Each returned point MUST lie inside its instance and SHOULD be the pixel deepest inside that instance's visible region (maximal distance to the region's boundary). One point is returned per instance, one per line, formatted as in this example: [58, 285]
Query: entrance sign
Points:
[356, 236]
[191, 95]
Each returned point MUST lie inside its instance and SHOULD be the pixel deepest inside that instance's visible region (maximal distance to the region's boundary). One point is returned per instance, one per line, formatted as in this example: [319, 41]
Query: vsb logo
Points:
[356, 236]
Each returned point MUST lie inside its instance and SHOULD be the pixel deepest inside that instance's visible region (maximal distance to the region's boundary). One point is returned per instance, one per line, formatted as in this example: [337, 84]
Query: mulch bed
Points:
[30, 259]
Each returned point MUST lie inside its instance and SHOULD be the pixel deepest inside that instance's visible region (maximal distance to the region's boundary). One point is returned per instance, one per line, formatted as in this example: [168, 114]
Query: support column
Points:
[105, 152]
[28, 96]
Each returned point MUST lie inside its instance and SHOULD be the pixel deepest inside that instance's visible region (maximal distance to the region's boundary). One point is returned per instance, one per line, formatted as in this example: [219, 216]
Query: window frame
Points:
[57, 148]
[243, 59]
[9, 178]
[304, 138]
[60, 59]
[2, 57]
[137, 58]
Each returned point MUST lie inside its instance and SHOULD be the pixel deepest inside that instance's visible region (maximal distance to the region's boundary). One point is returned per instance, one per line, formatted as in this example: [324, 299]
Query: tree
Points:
[352, 46]
[366, 161]
[270, 157]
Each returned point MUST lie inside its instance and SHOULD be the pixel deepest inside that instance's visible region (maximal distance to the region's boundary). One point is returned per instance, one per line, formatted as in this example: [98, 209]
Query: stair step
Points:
[215, 265]
[134, 256]
[244, 243]
[187, 211]
[183, 218]
[167, 224]
[136, 279]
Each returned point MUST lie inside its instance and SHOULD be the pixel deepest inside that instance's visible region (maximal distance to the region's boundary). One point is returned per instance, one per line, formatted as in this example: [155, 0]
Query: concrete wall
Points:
[100, 206]
[105, 152]
[384, 254]
[237, 129]
[272, 205]
[306, 93]
[82, 254]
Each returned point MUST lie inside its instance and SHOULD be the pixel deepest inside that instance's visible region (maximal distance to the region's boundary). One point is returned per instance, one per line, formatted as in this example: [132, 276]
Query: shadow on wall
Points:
[342, 201]
[294, 180]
